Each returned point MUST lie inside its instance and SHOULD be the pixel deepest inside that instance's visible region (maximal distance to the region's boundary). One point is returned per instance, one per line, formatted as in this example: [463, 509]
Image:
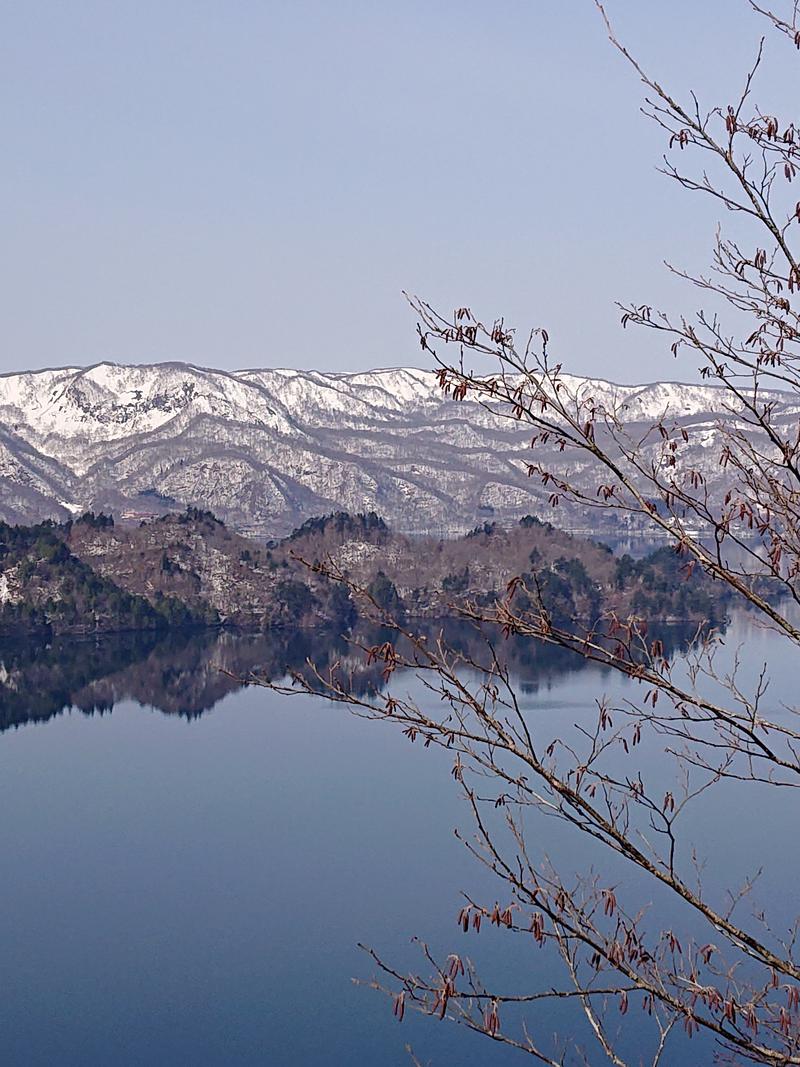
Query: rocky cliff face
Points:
[267, 449]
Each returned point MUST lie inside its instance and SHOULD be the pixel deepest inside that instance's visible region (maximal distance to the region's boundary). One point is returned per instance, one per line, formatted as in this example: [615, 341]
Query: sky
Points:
[244, 184]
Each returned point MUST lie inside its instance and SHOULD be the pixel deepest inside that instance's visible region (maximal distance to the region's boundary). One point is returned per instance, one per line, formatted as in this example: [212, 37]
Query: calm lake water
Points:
[188, 865]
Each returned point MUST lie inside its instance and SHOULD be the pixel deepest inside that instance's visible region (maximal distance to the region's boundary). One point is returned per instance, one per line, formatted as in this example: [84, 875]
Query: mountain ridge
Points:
[267, 448]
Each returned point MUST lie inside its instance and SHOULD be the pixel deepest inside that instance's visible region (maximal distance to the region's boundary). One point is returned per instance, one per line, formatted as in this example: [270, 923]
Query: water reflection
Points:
[195, 895]
[187, 672]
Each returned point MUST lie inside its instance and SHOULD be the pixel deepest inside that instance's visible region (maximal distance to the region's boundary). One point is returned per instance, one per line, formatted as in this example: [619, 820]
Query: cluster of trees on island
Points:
[59, 592]
[90, 575]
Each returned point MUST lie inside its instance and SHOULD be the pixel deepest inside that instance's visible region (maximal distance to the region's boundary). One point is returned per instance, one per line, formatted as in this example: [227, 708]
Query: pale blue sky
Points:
[248, 183]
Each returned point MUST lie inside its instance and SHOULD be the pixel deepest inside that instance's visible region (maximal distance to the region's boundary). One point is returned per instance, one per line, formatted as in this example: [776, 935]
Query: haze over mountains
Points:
[266, 449]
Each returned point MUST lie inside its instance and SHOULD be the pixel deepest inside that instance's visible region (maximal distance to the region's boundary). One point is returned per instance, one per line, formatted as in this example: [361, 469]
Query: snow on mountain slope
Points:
[108, 402]
[266, 449]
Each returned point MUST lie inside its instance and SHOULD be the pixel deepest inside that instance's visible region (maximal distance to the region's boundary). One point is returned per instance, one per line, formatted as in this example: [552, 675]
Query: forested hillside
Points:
[188, 569]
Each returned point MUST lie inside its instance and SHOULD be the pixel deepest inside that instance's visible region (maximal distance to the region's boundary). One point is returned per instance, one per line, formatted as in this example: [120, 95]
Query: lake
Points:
[188, 865]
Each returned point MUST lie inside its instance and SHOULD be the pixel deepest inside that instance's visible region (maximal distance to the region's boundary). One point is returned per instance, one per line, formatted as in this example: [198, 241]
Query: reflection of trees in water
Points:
[180, 673]
[38, 679]
[187, 672]
[531, 663]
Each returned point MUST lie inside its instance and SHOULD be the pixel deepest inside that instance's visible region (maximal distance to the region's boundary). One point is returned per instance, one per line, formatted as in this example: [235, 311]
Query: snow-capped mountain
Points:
[266, 449]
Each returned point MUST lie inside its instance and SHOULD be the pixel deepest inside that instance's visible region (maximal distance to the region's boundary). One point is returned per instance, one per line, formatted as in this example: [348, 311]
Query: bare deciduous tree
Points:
[712, 971]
